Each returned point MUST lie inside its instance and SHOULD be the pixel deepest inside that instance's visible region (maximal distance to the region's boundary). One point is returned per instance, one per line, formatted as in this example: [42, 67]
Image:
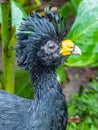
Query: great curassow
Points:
[41, 49]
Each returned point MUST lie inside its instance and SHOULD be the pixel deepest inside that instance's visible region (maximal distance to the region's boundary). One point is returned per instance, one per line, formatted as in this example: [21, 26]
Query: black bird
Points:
[41, 49]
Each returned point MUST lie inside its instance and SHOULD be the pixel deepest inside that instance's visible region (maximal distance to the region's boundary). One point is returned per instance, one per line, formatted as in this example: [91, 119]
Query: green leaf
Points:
[21, 2]
[84, 33]
[17, 14]
[75, 4]
[23, 86]
[65, 10]
[61, 74]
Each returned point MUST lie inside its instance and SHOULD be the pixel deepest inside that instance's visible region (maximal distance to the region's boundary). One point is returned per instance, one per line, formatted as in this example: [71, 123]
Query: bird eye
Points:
[51, 46]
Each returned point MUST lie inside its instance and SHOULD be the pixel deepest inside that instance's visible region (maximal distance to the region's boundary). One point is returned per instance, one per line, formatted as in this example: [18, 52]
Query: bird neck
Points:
[44, 81]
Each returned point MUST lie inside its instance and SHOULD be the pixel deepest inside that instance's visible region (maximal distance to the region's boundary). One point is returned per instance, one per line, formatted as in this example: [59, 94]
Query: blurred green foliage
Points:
[23, 86]
[28, 7]
[18, 13]
[86, 107]
[75, 5]
[61, 74]
[84, 33]
[66, 10]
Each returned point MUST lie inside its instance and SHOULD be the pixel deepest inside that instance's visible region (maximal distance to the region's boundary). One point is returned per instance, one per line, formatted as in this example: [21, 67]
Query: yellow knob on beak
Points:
[68, 48]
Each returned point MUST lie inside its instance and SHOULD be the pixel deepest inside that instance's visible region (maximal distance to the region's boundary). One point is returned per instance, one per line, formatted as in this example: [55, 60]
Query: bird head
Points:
[54, 52]
[42, 41]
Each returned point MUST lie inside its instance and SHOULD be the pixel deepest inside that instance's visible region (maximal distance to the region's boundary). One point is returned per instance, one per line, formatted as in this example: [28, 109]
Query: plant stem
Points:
[7, 44]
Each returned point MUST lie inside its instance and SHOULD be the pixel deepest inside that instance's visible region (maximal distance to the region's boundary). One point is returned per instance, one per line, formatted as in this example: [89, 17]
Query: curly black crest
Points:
[34, 32]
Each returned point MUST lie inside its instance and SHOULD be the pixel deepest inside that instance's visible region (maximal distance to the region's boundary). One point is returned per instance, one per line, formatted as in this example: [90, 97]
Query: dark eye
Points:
[51, 46]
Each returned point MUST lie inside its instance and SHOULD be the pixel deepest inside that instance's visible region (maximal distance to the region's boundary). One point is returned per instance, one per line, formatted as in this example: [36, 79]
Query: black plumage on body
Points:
[39, 42]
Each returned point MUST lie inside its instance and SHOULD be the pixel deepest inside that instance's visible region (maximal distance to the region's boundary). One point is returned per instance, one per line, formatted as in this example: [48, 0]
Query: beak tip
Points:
[77, 50]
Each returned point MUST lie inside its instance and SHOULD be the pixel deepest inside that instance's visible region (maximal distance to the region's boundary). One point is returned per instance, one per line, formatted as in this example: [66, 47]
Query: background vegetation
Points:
[83, 106]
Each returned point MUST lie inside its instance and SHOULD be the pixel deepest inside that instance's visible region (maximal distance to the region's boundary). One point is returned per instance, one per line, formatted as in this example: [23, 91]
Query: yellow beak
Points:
[68, 48]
